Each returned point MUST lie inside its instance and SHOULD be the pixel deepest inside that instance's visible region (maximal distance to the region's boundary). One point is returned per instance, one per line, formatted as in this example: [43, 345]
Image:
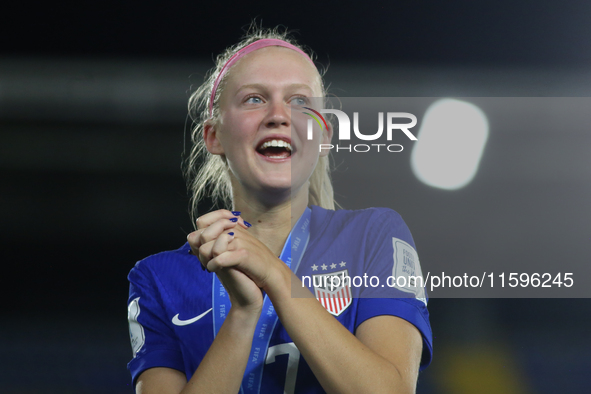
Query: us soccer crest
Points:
[333, 290]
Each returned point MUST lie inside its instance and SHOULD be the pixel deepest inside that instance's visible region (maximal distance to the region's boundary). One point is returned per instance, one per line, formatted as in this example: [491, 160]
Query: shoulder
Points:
[167, 263]
[172, 278]
[346, 215]
[369, 220]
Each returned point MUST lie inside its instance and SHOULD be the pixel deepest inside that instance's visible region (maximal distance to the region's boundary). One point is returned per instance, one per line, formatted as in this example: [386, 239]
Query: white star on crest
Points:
[314, 267]
[343, 264]
[333, 265]
[324, 267]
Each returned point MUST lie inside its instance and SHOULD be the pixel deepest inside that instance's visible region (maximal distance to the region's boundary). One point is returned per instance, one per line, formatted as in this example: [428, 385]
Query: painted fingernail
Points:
[234, 220]
[236, 213]
[230, 233]
[247, 224]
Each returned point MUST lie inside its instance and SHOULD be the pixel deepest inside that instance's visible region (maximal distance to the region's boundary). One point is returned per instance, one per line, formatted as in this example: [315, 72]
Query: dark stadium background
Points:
[92, 115]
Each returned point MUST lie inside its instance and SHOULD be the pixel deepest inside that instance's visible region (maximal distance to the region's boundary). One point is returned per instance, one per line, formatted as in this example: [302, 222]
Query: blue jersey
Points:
[170, 296]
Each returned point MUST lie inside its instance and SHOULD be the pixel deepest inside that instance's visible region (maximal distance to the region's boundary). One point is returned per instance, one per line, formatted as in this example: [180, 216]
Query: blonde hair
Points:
[213, 174]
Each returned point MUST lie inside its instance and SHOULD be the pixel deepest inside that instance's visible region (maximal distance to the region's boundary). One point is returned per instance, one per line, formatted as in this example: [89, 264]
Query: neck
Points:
[272, 224]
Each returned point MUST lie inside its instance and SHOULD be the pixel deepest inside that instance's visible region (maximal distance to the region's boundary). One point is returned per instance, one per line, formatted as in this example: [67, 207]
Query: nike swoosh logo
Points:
[178, 322]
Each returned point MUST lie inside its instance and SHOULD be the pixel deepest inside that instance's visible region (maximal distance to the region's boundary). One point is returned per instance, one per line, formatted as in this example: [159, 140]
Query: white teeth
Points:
[276, 143]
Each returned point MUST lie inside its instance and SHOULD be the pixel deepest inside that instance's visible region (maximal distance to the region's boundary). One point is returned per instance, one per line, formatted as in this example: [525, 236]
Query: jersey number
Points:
[293, 359]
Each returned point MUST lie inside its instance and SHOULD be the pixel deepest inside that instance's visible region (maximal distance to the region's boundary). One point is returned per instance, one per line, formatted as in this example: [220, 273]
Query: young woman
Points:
[245, 322]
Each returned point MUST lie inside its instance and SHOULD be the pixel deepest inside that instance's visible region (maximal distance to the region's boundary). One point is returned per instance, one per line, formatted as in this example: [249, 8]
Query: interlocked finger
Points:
[209, 218]
[227, 259]
[221, 244]
[202, 236]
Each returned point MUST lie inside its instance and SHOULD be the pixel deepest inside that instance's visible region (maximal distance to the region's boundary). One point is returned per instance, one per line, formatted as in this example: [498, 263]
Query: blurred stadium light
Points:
[450, 143]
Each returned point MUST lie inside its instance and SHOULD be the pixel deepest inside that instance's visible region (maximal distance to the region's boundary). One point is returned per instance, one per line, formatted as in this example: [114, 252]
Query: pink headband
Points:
[245, 51]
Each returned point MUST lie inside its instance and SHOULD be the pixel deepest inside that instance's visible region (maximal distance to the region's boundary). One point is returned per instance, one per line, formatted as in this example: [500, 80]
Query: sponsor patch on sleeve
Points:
[136, 331]
[406, 270]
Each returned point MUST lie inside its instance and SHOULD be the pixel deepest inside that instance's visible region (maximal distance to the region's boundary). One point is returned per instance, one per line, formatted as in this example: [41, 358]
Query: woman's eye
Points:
[254, 100]
[299, 101]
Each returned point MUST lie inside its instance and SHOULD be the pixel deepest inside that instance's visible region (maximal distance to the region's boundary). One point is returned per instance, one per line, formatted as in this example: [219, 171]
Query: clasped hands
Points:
[243, 264]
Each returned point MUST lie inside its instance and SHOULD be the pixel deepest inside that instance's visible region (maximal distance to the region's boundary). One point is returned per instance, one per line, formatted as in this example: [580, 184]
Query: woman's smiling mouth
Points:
[274, 148]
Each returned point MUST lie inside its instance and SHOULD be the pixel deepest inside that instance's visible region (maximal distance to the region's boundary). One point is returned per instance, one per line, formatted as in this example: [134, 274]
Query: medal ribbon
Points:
[296, 244]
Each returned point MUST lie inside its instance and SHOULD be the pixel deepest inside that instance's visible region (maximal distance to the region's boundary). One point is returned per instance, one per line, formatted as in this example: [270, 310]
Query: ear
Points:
[326, 138]
[210, 136]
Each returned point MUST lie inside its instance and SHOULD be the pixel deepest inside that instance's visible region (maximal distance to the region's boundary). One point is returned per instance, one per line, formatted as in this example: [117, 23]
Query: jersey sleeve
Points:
[153, 341]
[391, 256]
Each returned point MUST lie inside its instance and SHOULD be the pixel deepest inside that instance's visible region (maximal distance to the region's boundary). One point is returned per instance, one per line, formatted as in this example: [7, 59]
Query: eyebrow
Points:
[263, 87]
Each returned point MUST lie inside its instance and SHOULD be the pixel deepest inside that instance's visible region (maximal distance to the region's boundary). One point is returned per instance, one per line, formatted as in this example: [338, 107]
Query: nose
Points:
[278, 115]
